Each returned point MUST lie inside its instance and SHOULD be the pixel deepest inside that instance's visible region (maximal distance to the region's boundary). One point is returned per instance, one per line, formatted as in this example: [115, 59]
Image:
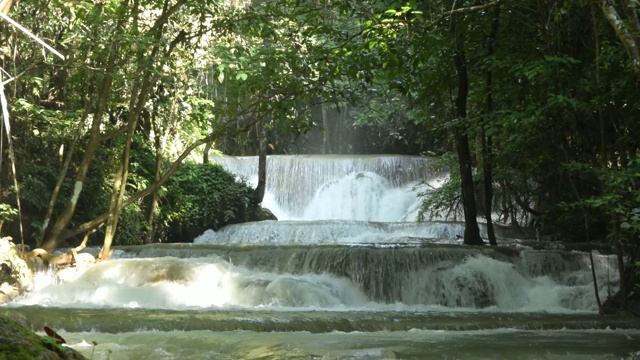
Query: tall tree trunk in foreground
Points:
[471, 230]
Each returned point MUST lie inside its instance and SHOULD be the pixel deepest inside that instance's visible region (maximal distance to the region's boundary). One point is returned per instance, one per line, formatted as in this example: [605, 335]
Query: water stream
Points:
[347, 273]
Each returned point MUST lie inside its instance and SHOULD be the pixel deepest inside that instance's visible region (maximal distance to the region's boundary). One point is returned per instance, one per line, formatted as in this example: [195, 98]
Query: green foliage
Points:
[200, 197]
[445, 201]
[561, 115]
[132, 226]
[619, 201]
[53, 344]
[7, 212]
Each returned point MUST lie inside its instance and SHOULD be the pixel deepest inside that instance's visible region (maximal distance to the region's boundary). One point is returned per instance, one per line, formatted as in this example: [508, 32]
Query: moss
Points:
[17, 343]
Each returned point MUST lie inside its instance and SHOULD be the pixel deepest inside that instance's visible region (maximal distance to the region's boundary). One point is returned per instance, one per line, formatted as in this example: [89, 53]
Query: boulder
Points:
[262, 214]
[19, 343]
[15, 274]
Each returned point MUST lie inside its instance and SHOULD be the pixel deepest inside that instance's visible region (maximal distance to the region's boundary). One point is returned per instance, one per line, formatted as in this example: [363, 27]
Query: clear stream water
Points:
[347, 273]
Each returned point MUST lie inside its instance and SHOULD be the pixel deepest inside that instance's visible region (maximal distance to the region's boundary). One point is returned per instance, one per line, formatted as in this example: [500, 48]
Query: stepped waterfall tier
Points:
[345, 273]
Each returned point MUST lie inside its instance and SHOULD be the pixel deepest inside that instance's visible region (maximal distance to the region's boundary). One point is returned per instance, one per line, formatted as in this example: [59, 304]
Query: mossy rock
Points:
[19, 343]
[262, 214]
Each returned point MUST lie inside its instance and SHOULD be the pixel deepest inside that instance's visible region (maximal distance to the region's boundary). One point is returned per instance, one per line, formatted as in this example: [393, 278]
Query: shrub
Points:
[200, 197]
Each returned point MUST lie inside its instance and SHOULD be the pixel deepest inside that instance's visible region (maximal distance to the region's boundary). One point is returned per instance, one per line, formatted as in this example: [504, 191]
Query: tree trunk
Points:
[63, 173]
[327, 139]
[471, 230]
[627, 29]
[262, 163]
[205, 153]
[153, 203]
[262, 173]
[62, 221]
[53, 239]
[487, 141]
[139, 97]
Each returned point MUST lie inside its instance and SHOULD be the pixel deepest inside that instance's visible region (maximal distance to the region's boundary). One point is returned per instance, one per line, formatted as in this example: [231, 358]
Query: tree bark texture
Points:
[471, 230]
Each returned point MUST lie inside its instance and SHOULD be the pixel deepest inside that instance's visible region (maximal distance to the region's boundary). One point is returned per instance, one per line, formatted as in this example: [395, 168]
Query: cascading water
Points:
[312, 187]
[346, 273]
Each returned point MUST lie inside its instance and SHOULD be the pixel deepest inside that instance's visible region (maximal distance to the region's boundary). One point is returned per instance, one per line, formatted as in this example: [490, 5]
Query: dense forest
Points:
[534, 104]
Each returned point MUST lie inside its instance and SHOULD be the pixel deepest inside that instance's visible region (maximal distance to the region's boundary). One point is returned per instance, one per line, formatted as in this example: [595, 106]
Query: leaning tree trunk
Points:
[119, 186]
[62, 221]
[471, 230]
[139, 97]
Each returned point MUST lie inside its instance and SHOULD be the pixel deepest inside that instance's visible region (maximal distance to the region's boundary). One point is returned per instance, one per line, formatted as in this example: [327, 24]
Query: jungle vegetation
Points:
[533, 104]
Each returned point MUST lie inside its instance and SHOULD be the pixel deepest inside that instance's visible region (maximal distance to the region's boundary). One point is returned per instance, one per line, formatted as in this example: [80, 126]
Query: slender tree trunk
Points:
[471, 230]
[603, 147]
[139, 97]
[327, 139]
[122, 172]
[153, 202]
[487, 140]
[262, 172]
[63, 174]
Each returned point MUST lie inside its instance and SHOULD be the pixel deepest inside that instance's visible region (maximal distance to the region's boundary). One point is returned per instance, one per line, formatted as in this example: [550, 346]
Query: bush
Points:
[199, 197]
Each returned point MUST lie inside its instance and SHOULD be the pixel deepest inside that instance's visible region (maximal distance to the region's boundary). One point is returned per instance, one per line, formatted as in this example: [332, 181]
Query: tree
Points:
[626, 26]
[471, 231]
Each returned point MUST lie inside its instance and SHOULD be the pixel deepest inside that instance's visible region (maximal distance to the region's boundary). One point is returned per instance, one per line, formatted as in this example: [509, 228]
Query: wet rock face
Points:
[15, 274]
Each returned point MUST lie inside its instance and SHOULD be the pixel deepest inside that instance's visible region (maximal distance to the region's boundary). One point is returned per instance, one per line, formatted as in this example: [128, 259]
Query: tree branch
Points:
[464, 10]
[28, 33]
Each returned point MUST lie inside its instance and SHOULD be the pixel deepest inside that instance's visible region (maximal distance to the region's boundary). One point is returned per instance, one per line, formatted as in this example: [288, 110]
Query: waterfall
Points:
[315, 187]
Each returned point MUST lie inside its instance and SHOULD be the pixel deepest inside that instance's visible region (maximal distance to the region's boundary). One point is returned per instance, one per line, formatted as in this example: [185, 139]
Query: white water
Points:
[477, 283]
[172, 283]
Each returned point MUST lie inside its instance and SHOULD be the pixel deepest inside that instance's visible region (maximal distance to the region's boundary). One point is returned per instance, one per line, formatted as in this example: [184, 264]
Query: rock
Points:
[15, 274]
[262, 214]
[19, 343]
